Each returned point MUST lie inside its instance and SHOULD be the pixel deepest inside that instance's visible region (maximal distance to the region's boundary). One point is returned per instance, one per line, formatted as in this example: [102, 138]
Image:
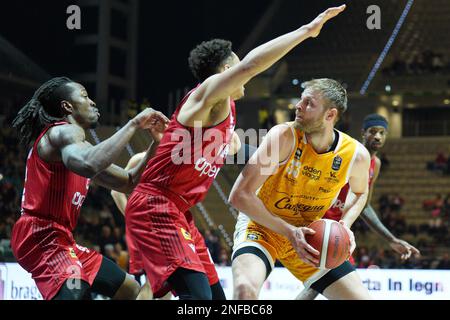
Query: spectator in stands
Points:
[438, 224]
[444, 262]
[447, 166]
[383, 203]
[106, 238]
[110, 252]
[119, 236]
[212, 242]
[3, 233]
[121, 256]
[396, 202]
[439, 164]
[224, 258]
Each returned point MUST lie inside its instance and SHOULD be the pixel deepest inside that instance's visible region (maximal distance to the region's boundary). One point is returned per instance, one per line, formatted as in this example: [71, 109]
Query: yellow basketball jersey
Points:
[306, 185]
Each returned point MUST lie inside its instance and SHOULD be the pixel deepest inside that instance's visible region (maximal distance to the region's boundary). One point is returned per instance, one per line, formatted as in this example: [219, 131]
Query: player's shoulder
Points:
[65, 134]
[362, 154]
[285, 129]
[283, 134]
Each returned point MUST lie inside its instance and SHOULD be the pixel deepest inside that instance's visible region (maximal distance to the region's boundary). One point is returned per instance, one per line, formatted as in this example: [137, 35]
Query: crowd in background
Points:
[426, 62]
[101, 225]
[428, 236]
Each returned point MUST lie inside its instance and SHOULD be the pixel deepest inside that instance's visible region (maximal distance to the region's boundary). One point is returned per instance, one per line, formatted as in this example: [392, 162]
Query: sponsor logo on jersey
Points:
[252, 237]
[82, 249]
[332, 177]
[72, 253]
[206, 168]
[186, 234]
[311, 173]
[307, 197]
[298, 154]
[286, 203]
[78, 200]
[324, 190]
[337, 163]
[339, 205]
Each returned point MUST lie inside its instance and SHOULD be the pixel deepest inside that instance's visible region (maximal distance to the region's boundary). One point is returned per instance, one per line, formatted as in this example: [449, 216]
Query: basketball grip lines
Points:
[325, 241]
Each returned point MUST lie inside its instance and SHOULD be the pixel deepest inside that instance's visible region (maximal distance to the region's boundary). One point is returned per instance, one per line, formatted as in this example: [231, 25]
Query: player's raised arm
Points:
[223, 85]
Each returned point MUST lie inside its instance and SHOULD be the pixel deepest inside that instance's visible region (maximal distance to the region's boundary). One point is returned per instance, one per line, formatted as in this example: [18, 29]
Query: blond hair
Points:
[332, 91]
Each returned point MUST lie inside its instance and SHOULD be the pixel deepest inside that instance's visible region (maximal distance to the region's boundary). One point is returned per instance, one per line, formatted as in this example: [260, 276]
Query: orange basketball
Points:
[331, 240]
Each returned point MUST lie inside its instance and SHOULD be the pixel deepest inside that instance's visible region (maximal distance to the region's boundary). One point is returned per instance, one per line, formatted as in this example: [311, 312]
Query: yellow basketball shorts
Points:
[274, 247]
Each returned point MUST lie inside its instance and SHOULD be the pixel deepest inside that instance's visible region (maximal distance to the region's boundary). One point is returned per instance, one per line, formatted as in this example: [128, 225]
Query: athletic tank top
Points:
[51, 191]
[188, 159]
[305, 186]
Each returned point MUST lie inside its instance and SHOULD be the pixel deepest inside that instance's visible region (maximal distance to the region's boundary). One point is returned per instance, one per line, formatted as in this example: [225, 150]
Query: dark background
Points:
[168, 30]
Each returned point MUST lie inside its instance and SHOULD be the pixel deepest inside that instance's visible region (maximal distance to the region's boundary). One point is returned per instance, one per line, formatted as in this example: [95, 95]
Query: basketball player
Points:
[291, 181]
[374, 134]
[174, 253]
[59, 169]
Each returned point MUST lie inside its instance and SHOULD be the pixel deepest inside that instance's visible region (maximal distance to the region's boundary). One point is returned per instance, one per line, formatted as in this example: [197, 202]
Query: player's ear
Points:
[332, 114]
[67, 107]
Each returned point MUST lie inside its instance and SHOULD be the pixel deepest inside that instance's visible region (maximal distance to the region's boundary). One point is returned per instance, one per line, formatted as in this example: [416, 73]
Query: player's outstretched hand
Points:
[150, 118]
[307, 253]
[316, 25]
[404, 249]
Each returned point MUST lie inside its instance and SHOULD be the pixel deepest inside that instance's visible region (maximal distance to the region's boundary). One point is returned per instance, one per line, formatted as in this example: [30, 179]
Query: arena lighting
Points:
[447, 101]
[385, 51]
[388, 88]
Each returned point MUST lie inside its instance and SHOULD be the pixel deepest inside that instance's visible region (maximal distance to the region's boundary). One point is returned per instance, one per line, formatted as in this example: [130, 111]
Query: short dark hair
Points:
[206, 59]
[43, 109]
[375, 119]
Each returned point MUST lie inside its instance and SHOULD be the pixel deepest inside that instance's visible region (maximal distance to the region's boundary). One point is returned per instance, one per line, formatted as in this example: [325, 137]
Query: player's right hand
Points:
[149, 118]
[307, 253]
[351, 236]
[316, 25]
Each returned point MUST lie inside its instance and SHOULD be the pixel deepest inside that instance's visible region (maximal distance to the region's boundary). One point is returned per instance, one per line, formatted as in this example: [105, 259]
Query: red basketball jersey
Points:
[336, 211]
[51, 191]
[188, 159]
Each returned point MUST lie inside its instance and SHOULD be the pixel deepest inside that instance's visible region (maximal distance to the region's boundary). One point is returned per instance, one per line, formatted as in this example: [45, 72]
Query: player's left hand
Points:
[157, 127]
[351, 236]
[316, 25]
[404, 249]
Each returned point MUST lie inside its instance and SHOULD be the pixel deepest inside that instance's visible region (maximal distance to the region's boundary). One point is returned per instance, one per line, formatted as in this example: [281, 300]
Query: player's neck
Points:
[371, 152]
[322, 141]
[71, 120]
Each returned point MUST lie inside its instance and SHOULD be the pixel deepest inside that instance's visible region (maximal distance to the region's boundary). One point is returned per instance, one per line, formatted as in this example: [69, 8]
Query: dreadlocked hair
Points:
[43, 109]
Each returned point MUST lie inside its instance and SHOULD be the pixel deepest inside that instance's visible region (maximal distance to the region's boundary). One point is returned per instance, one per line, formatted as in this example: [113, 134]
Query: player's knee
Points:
[245, 290]
[77, 291]
[129, 290]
